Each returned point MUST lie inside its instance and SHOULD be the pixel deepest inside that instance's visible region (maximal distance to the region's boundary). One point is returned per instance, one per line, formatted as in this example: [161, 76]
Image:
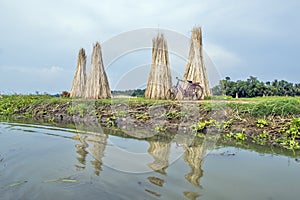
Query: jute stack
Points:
[79, 81]
[97, 86]
[195, 69]
[159, 81]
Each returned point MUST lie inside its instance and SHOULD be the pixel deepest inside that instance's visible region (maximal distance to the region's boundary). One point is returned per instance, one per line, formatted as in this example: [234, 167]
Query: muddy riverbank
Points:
[261, 122]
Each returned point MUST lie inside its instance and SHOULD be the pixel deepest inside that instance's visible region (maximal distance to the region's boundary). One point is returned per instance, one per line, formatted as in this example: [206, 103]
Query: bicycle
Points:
[193, 91]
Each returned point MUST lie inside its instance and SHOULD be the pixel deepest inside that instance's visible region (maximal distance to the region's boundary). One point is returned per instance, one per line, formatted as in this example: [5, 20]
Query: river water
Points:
[47, 162]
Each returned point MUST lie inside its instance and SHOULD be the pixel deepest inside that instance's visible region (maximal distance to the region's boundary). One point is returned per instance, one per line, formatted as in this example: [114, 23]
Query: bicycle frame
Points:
[183, 90]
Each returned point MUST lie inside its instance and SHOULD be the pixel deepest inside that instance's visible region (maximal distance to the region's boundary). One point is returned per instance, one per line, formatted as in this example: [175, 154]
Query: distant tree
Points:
[252, 87]
[218, 90]
[138, 93]
[297, 89]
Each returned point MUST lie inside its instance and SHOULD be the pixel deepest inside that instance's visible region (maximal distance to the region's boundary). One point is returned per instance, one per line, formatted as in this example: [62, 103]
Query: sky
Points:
[40, 39]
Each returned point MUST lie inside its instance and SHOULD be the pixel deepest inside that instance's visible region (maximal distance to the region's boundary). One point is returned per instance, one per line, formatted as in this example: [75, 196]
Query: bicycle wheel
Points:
[171, 94]
[197, 92]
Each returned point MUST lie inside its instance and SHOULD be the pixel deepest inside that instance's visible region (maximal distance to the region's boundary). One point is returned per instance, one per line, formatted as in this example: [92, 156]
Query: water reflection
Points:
[193, 156]
[160, 151]
[156, 181]
[191, 195]
[94, 143]
[160, 148]
[153, 193]
[91, 153]
[98, 144]
[81, 151]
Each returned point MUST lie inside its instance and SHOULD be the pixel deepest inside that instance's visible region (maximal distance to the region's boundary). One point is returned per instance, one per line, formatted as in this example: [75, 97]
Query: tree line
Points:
[252, 87]
[132, 92]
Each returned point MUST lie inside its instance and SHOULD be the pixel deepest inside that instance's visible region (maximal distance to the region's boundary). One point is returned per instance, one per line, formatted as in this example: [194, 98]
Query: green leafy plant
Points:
[201, 125]
[121, 114]
[261, 123]
[237, 136]
[227, 123]
[110, 121]
[229, 135]
[261, 138]
[160, 129]
[291, 134]
[240, 136]
[174, 115]
[142, 116]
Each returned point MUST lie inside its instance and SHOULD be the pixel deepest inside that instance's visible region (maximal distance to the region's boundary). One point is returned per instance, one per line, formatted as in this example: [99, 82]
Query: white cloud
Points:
[53, 70]
[39, 33]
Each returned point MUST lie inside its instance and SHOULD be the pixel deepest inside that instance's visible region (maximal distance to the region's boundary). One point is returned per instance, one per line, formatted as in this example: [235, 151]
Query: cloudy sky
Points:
[40, 39]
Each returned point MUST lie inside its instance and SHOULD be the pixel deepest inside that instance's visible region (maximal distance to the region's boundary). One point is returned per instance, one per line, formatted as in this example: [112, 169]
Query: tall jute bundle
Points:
[195, 69]
[79, 81]
[97, 86]
[159, 81]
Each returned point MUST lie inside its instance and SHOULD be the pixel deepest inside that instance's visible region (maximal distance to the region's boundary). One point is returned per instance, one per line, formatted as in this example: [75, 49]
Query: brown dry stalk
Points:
[195, 69]
[97, 86]
[79, 81]
[159, 81]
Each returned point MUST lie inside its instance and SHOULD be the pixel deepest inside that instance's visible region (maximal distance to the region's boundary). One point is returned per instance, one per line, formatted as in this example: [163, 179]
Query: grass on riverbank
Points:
[262, 120]
[256, 107]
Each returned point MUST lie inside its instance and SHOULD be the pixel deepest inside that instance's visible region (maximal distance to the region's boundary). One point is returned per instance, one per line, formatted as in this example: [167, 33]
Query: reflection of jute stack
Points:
[159, 81]
[160, 151]
[81, 150]
[194, 157]
[97, 86]
[79, 81]
[98, 144]
[191, 195]
[195, 69]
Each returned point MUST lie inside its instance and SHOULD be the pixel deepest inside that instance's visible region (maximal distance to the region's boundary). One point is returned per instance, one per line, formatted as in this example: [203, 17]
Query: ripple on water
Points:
[58, 163]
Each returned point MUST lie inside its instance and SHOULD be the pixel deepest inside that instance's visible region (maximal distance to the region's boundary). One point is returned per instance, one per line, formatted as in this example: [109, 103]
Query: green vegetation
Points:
[262, 120]
[291, 134]
[10, 104]
[142, 116]
[257, 107]
[252, 87]
[160, 129]
[80, 109]
[261, 123]
[262, 138]
[134, 93]
[201, 125]
[110, 121]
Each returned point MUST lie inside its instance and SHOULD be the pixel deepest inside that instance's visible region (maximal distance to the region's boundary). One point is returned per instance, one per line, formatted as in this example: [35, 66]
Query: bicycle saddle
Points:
[189, 81]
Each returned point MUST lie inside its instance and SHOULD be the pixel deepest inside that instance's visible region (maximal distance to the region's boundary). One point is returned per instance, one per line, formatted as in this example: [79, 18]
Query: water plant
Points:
[160, 129]
[261, 123]
[173, 115]
[240, 136]
[261, 138]
[142, 116]
[201, 125]
[291, 134]
[110, 121]
[227, 124]
[81, 109]
[121, 113]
